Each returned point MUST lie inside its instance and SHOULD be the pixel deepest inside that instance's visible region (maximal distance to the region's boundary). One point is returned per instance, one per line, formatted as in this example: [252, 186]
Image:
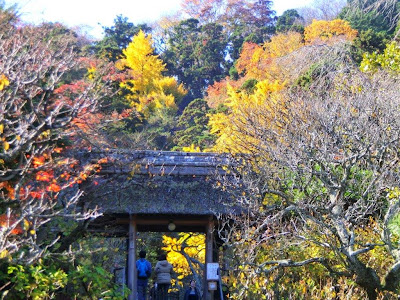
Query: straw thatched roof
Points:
[157, 182]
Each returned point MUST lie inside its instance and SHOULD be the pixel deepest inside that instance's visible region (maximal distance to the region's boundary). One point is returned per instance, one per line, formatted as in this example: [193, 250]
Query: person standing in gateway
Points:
[143, 267]
[163, 271]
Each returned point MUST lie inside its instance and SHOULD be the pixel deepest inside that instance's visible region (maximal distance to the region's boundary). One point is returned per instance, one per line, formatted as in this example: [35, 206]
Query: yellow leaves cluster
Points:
[393, 193]
[192, 148]
[233, 129]
[3, 81]
[194, 247]
[154, 103]
[6, 146]
[4, 254]
[262, 62]
[169, 86]
[139, 54]
[144, 66]
[91, 72]
[150, 90]
[272, 60]
[326, 31]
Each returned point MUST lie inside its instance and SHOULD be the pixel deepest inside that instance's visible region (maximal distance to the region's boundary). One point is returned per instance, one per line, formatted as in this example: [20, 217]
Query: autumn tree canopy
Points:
[38, 114]
[320, 172]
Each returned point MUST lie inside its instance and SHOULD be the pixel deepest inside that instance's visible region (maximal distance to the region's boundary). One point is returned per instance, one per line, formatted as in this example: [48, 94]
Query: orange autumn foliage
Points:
[246, 60]
[8, 189]
[259, 62]
[218, 92]
[6, 222]
[44, 176]
[85, 122]
[36, 195]
[38, 161]
[89, 129]
[53, 187]
[272, 60]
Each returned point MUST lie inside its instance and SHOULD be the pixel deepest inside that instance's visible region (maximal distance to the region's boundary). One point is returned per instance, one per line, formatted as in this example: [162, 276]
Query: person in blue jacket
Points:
[143, 267]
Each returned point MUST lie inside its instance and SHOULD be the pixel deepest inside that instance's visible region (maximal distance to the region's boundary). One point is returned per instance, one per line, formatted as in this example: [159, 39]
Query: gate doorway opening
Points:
[157, 234]
[147, 223]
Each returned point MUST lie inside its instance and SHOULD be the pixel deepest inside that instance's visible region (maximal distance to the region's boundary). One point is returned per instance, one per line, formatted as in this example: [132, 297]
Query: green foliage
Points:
[87, 276]
[394, 226]
[236, 40]
[358, 181]
[196, 56]
[289, 21]
[92, 282]
[394, 223]
[193, 126]
[313, 72]
[90, 274]
[249, 85]
[233, 73]
[362, 19]
[118, 37]
[369, 41]
[35, 281]
[157, 130]
[375, 26]
[389, 59]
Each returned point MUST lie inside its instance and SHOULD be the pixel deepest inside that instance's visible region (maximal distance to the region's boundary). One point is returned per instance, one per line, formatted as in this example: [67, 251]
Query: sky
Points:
[92, 15]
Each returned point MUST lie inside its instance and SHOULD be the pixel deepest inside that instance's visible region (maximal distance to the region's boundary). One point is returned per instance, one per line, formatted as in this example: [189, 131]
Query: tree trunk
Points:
[368, 280]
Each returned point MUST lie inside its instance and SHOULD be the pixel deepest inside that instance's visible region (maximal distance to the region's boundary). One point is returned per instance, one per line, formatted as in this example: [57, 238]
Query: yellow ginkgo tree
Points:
[187, 254]
[149, 91]
[233, 128]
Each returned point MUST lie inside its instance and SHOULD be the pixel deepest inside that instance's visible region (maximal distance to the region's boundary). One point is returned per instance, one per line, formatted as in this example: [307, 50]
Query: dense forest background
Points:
[307, 104]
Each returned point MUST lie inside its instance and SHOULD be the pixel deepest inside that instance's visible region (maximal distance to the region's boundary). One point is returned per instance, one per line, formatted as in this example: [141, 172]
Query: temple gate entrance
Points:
[157, 191]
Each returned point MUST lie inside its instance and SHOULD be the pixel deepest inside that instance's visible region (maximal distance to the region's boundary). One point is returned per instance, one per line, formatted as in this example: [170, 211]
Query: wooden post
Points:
[132, 272]
[209, 257]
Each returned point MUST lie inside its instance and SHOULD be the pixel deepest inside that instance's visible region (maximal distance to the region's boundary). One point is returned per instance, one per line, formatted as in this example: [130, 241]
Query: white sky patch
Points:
[92, 15]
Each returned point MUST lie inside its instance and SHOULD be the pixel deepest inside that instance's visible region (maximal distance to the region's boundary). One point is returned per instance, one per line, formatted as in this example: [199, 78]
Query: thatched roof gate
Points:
[147, 190]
